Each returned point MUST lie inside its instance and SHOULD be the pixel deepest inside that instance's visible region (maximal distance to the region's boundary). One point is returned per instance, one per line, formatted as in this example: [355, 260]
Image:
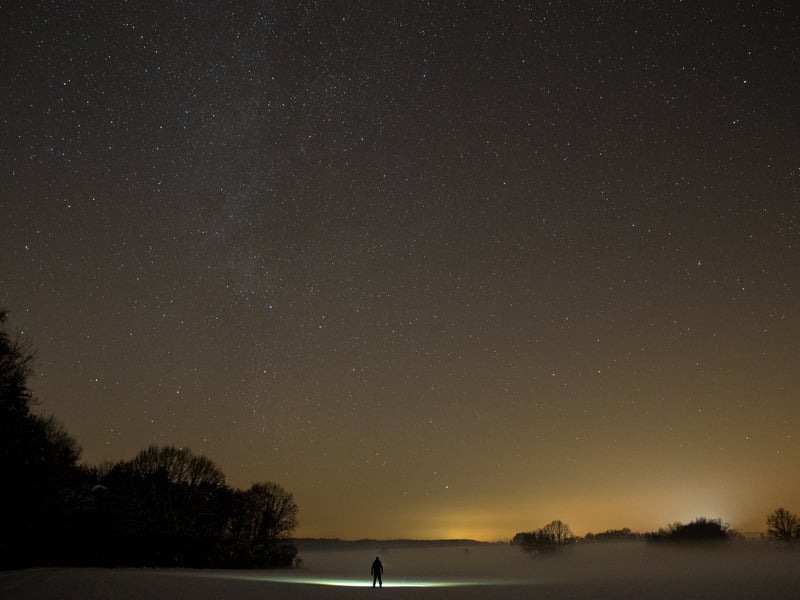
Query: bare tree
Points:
[553, 536]
[177, 465]
[559, 532]
[783, 525]
[170, 502]
[268, 512]
[264, 518]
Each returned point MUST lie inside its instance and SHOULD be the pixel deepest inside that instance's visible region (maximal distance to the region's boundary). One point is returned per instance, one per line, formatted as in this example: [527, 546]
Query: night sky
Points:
[440, 269]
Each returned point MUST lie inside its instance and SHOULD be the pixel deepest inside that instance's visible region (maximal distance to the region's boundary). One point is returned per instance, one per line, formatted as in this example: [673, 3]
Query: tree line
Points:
[782, 525]
[164, 507]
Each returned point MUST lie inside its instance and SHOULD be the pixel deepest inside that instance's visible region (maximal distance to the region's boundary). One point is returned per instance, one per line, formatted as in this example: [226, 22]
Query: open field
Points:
[633, 570]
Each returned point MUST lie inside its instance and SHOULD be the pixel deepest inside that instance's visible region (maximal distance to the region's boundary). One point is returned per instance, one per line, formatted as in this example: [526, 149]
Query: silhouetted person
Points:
[377, 572]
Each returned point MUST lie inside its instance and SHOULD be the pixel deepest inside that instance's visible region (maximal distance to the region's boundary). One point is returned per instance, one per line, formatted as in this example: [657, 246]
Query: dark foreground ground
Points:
[619, 571]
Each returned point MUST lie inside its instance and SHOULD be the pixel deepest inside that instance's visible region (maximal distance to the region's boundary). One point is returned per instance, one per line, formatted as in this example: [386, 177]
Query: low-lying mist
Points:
[737, 567]
[624, 570]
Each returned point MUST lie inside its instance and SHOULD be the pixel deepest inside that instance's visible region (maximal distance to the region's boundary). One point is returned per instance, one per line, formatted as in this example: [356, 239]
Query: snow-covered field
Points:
[632, 570]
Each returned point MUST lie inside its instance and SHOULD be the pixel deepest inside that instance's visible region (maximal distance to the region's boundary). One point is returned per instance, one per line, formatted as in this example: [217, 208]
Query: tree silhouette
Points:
[559, 532]
[38, 464]
[264, 517]
[783, 525]
[178, 466]
[16, 360]
[169, 506]
[553, 536]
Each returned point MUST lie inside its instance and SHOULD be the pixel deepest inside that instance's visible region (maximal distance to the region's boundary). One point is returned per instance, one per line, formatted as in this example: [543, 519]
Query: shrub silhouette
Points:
[613, 535]
[697, 531]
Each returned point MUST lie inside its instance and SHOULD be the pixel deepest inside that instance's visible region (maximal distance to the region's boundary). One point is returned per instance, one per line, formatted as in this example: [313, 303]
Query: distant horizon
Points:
[752, 526]
[745, 534]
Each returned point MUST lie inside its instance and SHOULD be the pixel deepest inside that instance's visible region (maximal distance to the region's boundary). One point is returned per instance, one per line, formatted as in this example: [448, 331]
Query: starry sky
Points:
[440, 269]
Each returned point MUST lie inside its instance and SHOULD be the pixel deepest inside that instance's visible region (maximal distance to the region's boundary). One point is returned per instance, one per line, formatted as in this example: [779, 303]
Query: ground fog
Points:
[625, 570]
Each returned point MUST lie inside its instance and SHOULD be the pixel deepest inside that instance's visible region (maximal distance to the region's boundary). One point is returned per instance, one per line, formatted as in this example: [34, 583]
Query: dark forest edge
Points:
[168, 507]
